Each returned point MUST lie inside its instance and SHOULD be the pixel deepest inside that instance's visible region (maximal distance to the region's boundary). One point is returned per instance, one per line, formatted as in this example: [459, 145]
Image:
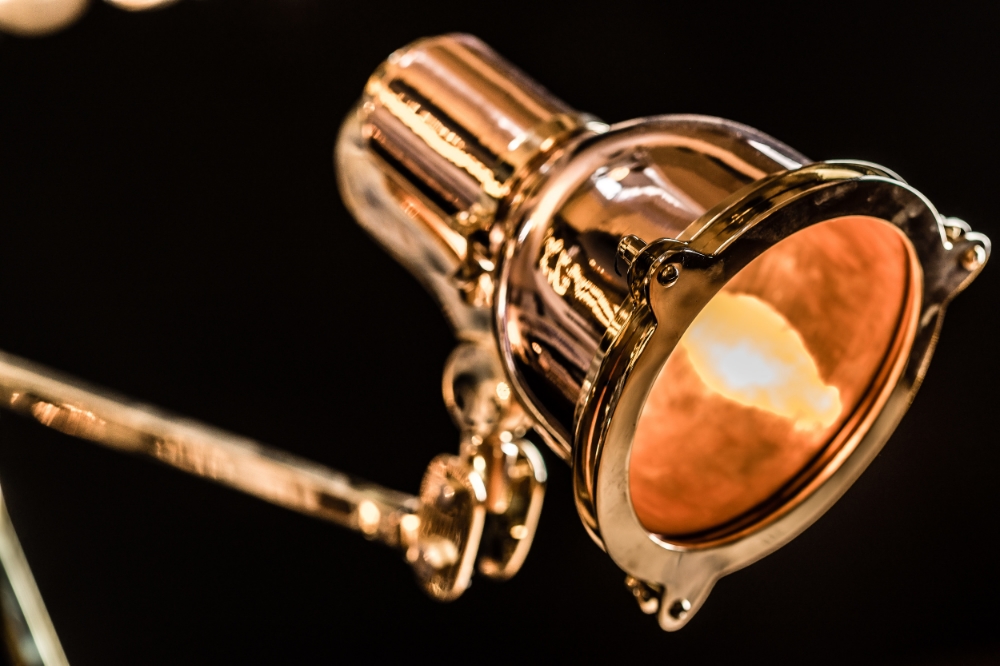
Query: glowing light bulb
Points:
[746, 351]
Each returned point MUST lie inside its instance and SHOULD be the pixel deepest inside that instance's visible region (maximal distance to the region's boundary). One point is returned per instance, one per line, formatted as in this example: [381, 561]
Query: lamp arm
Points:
[72, 407]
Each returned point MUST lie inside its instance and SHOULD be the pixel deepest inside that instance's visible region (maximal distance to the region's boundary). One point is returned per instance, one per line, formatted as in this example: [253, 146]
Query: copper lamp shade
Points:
[715, 331]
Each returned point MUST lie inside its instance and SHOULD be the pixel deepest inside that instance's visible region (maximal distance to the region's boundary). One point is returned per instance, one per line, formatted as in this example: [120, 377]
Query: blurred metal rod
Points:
[76, 409]
[30, 635]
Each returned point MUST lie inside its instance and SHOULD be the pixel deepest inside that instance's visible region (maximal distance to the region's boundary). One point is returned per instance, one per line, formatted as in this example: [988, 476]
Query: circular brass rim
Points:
[651, 322]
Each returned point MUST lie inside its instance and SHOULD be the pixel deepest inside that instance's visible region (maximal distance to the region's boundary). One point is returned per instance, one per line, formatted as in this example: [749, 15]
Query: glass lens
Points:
[753, 398]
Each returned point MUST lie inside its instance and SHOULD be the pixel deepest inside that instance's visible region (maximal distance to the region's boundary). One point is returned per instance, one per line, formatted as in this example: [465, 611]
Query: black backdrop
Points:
[170, 228]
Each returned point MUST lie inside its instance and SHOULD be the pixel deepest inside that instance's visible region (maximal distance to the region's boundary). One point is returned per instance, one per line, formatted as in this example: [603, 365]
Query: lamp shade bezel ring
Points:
[651, 322]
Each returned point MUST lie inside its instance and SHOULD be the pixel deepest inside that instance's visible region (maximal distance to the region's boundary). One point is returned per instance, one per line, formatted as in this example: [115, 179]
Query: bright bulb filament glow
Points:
[746, 351]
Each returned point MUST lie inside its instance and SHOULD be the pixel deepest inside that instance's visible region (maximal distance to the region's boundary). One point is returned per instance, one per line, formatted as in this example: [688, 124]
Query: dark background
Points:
[170, 228]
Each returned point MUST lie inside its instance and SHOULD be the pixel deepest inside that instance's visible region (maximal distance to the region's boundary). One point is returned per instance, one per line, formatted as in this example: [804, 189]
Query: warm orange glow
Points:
[744, 350]
[768, 375]
[369, 517]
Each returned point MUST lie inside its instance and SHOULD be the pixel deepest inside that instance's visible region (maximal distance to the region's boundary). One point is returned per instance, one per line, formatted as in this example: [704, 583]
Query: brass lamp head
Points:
[716, 332]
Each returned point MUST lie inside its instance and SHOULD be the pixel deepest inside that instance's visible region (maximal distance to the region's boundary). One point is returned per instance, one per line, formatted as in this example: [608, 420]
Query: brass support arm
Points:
[496, 483]
[76, 409]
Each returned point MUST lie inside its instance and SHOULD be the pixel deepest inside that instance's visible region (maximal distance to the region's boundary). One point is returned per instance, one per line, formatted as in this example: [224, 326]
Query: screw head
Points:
[973, 258]
[628, 249]
[668, 275]
[679, 608]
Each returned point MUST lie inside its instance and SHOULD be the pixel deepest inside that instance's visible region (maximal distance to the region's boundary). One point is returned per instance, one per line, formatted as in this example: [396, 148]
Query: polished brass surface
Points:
[76, 409]
[452, 514]
[646, 595]
[717, 333]
[607, 269]
[445, 133]
[439, 531]
[460, 123]
[493, 426]
[654, 320]
[558, 287]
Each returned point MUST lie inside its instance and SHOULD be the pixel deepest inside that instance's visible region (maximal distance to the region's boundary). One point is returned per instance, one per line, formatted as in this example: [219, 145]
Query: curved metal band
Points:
[631, 357]
[635, 322]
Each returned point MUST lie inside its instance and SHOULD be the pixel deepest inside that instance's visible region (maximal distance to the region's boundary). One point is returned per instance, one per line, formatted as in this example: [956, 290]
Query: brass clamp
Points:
[483, 503]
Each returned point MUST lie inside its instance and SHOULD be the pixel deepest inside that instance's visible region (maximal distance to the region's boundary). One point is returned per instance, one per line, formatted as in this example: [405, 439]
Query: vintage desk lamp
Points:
[717, 333]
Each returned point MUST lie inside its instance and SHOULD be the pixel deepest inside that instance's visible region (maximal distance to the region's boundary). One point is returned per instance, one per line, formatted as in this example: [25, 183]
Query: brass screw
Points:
[628, 249]
[668, 275]
[680, 608]
[646, 594]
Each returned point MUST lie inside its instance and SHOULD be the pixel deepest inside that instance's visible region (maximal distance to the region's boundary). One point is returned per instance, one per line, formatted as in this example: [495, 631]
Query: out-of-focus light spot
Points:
[368, 517]
[608, 187]
[34, 18]
[409, 523]
[518, 532]
[619, 173]
[409, 527]
[503, 391]
[139, 5]
[746, 351]
[509, 449]
[439, 553]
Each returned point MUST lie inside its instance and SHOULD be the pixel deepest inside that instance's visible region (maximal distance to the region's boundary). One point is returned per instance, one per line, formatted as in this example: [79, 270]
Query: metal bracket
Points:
[485, 502]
